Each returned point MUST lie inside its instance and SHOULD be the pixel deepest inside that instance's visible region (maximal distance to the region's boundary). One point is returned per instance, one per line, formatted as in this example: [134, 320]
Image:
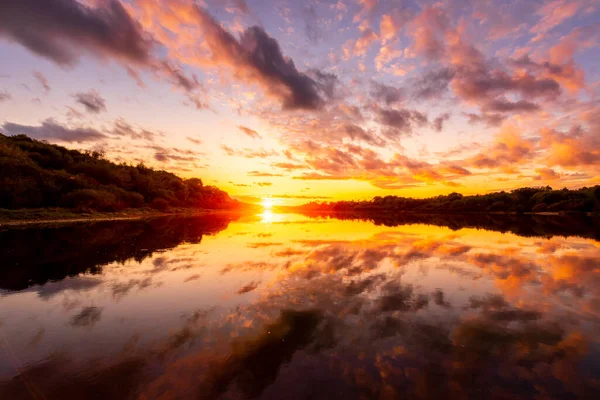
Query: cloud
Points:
[164, 154]
[311, 23]
[455, 169]
[313, 176]
[428, 33]
[391, 24]
[359, 46]
[194, 141]
[91, 100]
[574, 148]
[176, 76]
[61, 30]
[240, 6]
[4, 96]
[262, 174]
[123, 128]
[326, 82]
[355, 132]
[438, 123]
[249, 287]
[509, 149]
[42, 80]
[87, 317]
[486, 118]
[251, 133]
[504, 106]
[50, 129]
[432, 84]
[546, 174]
[257, 58]
[565, 72]
[249, 153]
[386, 94]
[481, 84]
[402, 120]
[287, 166]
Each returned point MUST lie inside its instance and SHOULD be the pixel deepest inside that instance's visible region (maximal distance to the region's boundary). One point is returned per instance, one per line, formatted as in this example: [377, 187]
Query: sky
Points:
[314, 100]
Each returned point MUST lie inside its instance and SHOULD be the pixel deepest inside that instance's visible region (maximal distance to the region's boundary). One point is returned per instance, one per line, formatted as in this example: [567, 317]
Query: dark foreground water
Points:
[289, 307]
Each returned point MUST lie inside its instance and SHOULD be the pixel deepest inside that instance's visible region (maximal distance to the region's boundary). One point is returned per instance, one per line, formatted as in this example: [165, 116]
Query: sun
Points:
[267, 203]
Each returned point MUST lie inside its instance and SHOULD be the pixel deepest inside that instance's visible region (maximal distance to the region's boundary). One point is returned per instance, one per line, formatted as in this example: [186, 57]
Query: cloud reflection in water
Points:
[329, 308]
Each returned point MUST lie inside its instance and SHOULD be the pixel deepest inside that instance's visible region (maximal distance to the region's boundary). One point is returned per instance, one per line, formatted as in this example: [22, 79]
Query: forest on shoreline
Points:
[522, 200]
[37, 175]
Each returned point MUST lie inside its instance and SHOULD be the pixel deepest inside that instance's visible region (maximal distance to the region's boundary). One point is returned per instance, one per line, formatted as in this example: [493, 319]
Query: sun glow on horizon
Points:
[477, 111]
[267, 203]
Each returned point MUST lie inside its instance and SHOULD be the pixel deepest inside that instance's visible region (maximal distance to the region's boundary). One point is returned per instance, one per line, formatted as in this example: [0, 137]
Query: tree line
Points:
[36, 174]
[528, 199]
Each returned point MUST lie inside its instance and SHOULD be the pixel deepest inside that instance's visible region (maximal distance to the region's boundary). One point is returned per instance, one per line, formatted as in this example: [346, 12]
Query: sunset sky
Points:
[314, 100]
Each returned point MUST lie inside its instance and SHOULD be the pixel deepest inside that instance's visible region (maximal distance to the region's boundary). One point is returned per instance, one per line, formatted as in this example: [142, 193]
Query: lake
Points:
[289, 306]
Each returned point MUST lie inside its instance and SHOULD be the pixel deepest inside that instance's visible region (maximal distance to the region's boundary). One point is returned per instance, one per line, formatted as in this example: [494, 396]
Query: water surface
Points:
[287, 306]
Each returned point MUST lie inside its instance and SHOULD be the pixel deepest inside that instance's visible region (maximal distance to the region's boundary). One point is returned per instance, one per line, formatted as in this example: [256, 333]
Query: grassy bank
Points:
[47, 215]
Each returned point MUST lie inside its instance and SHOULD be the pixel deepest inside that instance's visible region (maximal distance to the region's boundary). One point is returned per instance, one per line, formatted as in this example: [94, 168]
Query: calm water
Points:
[286, 306]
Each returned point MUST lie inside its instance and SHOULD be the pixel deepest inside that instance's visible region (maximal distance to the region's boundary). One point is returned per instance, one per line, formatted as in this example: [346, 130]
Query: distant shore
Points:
[324, 212]
[58, 215]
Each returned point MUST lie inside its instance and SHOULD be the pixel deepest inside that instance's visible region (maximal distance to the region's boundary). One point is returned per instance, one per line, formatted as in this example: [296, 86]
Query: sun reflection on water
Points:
[267, 217]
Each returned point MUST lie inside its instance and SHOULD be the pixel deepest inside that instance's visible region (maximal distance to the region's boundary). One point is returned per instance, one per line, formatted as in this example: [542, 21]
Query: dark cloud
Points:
[87, 317]
[355, 132]
[249, 132]
[326, 82]
[164, 154]
[567, 73]
[257, 58]
[51, 129]
[485, 118]
[398, 297]
[177, 77]
[481, 83]
[386, 94]
[254, 364]
[61, 30]
[438, 123]
[78, 284]
[401, 120]
[248, 287]
[432, 84]
[122, 289]
[92, 101]
[123, 128]
[42, 80]
[504, 106]
[190, 85]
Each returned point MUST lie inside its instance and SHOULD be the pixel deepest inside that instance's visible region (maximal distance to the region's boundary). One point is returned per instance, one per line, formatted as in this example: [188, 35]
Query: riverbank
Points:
[60, 215]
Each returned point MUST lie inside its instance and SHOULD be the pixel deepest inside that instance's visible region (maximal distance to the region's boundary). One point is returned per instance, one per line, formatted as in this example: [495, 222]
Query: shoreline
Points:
[12, 218]
[420, 212]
